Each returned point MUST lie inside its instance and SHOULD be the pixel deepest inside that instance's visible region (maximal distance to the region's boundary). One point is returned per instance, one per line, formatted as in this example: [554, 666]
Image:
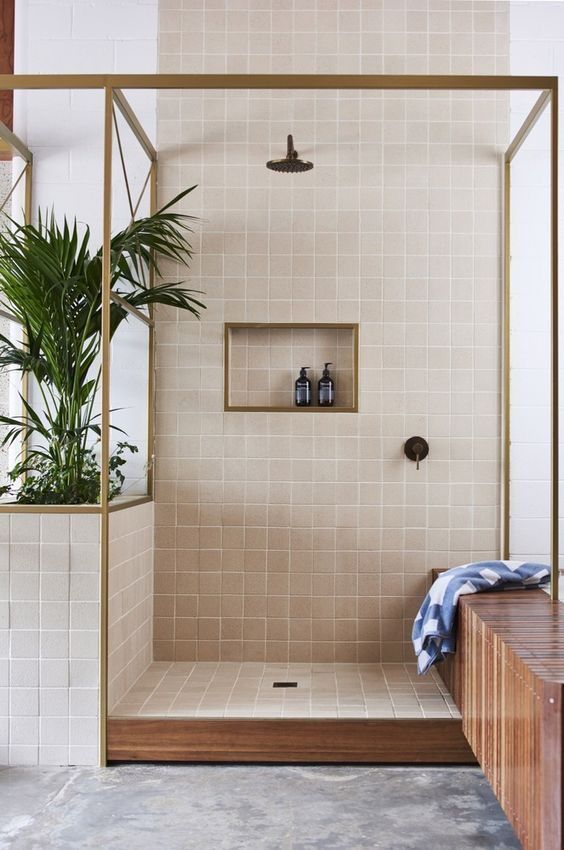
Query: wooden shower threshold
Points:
[378, 741]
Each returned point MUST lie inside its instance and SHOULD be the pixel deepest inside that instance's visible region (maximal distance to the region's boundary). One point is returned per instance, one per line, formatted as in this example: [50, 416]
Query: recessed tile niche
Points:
[262, 362]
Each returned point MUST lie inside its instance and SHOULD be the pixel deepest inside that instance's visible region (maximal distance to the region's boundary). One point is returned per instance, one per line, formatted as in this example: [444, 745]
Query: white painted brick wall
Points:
[64, 129]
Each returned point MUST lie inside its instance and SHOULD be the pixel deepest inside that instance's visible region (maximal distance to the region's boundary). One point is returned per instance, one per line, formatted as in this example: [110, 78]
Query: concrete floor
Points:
[192, 807]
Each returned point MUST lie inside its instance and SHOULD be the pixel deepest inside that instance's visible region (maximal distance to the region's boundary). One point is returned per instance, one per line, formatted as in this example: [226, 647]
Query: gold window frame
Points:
[113, 84]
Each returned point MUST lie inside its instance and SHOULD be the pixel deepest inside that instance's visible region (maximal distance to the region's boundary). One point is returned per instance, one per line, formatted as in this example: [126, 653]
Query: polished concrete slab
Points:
[194, 807]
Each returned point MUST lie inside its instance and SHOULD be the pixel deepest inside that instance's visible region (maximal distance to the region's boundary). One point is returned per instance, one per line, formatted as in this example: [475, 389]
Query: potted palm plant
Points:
[51, 283]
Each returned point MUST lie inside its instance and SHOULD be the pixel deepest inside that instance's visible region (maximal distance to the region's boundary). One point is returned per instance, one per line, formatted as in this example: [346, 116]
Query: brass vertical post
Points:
[28, 191]
[151, 413]
[105, 404]
[506, 399]
[554, 482]
[28, 178]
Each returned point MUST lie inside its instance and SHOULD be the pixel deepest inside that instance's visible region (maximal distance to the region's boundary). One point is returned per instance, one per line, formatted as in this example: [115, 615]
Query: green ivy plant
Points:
[50, 485]
[51, 283]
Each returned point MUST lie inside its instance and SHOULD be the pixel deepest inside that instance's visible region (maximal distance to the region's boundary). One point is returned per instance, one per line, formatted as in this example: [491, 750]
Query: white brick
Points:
[24, 702]
[54, 755]
[84, 672]
[24, 731]
[53, 731]
[24, 673]
[54, 556]
[81, 755]
[83, 702]
[537, 20]
[104, 19]
[85, 528]
[55, 528]
[60, 56]
[23, 755]
[49, 20]
[84, 644]
[83, 731]
[24, 528]
[135, 57]
[54, 702]
[54, 673]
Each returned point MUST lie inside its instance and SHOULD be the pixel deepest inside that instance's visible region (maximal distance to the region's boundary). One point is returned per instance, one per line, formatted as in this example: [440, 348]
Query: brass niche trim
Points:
[354, 327]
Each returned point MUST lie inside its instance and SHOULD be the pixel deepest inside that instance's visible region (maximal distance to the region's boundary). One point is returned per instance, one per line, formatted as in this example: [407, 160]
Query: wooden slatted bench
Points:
[507, 679]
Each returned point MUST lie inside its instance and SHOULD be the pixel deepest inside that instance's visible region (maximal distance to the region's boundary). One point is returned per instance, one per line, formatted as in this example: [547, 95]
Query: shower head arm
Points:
[292, 152]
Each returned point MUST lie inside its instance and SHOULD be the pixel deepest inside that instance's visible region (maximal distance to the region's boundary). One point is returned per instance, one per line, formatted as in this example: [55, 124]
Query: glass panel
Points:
[63, 448]
[530, 348]
[11, 390]
[129, 372]
[131, 195]
[12, 183]
[129, 394]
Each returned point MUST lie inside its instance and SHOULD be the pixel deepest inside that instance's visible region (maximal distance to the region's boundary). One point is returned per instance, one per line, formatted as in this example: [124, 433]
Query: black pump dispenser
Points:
[326, 388]
[303, 389]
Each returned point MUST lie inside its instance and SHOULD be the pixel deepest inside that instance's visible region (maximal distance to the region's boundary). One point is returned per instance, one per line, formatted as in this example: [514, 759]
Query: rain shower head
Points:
[291, 164]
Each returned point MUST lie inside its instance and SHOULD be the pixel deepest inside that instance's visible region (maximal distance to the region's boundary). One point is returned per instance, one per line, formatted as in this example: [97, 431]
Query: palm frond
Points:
[52, 284]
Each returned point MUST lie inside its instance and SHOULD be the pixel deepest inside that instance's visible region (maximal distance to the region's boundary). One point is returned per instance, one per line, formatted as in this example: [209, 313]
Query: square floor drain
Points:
[284, 684]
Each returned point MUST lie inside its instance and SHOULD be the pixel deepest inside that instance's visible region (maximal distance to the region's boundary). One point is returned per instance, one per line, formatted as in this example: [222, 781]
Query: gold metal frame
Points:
[114, 97]
[111, 84]
[12, 143]
[126, 110]
[384, 82]
[296, 326]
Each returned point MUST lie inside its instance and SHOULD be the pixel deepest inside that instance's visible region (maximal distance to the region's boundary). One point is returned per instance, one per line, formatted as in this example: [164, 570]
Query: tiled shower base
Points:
[246, 690]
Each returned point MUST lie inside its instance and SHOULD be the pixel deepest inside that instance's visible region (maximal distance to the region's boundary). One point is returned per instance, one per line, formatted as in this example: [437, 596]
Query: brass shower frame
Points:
[113, 85]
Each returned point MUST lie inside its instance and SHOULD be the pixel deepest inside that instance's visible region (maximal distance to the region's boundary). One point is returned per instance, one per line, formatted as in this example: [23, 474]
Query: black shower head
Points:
[290, 164]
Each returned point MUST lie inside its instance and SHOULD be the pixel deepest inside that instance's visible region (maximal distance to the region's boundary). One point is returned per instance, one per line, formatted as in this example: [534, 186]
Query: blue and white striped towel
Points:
[434, 630]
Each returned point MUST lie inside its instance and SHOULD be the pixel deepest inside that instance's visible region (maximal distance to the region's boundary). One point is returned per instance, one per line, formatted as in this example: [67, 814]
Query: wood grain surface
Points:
[386, 741]
[6, 58]
[508, 675]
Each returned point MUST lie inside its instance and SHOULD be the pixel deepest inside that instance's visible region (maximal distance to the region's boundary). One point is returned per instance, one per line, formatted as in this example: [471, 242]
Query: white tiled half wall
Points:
[49, 635]
[130, 598]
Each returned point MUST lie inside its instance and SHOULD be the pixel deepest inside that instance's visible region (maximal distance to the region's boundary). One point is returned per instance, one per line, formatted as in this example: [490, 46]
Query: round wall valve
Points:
[416, 448]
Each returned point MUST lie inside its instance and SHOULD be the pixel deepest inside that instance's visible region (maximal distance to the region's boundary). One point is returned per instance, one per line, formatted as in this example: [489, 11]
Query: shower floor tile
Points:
[230, 689]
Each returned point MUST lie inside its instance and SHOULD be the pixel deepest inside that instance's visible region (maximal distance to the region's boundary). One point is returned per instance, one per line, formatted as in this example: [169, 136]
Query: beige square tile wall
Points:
[49, 637]
[310, 536]
[130, 598]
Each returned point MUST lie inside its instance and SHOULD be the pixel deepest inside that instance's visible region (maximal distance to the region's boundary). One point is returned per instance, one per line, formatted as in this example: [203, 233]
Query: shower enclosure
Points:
[258, 581]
